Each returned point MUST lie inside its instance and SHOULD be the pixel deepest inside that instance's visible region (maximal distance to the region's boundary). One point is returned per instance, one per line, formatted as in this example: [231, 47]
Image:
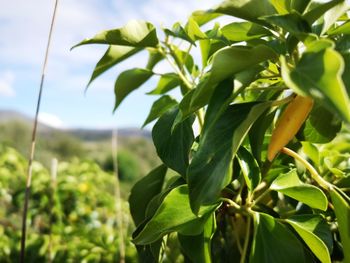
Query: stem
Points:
[246, 241]
[239, 245]
[232, 203]
[117, 197]
[314, 174]
[258, 199]
[32, 149]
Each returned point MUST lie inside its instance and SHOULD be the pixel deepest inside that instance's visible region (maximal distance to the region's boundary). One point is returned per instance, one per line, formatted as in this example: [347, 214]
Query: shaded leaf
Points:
[159, 107]
[167, 82]
[154, 58]
[290, 185]
[308, 227]
[174, 214]
[341, 203]
[292, 23]
[198, 248]
[144, 190]
[135, 34]
[173, 146]
[179, 32]
[249, 168]
[129, 81]
[320, 9]
[274, 242]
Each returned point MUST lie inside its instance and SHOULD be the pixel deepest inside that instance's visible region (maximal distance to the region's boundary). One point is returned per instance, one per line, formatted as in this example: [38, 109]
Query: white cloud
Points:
[6, 82]
[51, 120]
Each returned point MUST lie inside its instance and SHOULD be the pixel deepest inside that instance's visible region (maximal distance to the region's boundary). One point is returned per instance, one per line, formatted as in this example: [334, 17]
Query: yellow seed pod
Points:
[289, 124]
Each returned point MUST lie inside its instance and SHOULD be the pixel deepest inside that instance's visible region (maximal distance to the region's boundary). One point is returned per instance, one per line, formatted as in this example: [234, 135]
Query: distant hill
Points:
[80, 133]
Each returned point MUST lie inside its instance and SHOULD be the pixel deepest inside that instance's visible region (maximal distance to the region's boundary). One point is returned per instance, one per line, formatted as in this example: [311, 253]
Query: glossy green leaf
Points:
[174, 214]
[144, 190]
[282, 6]
[167, 82]
[211, 167]
[159, 107]
[129, 81]
[341, 204]
[290, 185]
[299, 5]
[320, 10]
[274, 242]
[242, 31]
[112, 57]
[203, 17]
[308, 227]
[249, 168]
[135, 33]
[250, 10]
[346, 73]
[332, 15]
[198, 248]
[318, 74]
[205, 45]
[173, 146]
[316, 129]
[179, 32]
[311, 152]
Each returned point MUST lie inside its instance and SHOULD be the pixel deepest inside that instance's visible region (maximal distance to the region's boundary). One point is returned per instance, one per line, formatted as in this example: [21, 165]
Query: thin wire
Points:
[32, 149]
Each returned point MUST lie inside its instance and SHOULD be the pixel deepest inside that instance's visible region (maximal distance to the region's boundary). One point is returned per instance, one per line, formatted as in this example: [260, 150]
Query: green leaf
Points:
[243, 31]
[316, 129]
[249, 168]
[167, 82]
[203, 17]
[112, 57]
[299, 5]
[318, 74]
[144, 190]
[154, 58]
[179, 32]
[341, 29]
[198, 248]
[135, 34]
[292, 23]
[250, 10]
[211, 167]
[341, 204]
[332, 15]
[308, 227]
[173, 146]
[159, 107]
[194, 31]
[346, 73]
[274, 242]
[282, 6]
[311, 152]
[174, 214]
[129, 81]
[290, 185]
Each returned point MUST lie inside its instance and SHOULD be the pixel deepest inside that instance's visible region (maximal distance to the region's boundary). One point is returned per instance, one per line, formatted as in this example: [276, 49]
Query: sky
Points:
[24, 27]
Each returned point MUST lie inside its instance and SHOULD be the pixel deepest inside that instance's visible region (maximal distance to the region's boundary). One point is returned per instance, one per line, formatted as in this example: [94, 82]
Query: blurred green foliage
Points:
[71, 218]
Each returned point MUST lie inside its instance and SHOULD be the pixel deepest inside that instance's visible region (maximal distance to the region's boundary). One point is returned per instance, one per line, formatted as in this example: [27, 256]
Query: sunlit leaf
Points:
[249, 168]
[242, 31]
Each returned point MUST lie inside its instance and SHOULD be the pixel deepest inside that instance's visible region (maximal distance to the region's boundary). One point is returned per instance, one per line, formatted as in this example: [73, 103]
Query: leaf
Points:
[341, 29]
[112, 57]
[174, 214]
[203, 17]
[167, 82]
[179, 32]
[282, 6]
[242, 31]
[173, 146]
[250, 10]
[290, 185]
[318, 74]
[194, 31]
[316, 129]
[154, 58]
[249, 168]
[332, 15]
[211, 167]
[238, 62]
[341, 204]
[292, 23]
[320, 10]
[299, 5]
[198, 248]
[308, 227]
[129, 81]
[144, 190]
[135, 34]
[159, 107]
[274, 242]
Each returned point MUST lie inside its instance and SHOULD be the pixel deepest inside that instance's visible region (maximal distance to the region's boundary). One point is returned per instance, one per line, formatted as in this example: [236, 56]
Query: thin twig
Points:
[246, 241]
[32, 149]
[117, 197]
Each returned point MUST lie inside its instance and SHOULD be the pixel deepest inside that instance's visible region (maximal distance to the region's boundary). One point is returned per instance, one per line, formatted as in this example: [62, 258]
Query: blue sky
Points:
[24, 27]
